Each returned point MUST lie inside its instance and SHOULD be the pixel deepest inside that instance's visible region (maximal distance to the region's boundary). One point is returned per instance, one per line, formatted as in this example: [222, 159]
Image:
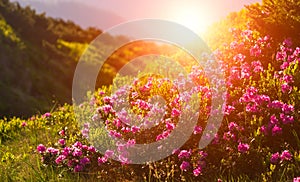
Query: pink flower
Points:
[274, 158]
[276, 130]
[24, 124]
[59, 159]
[62, 133]
[232, 126]
[109, 153]
[273, 119]
[243, 147]
[197, 171]
[47, 115]
[285, 155]
[255, 51]
[287, 109]
[229, 109]
[175, 112]
[102, 160]
[239, 58]
[197, 129]
[84, 161]
[184, 166]
[92, 149]
[52, 151]
[280, 56]
[286, 88]
[286, 119]
[263, 129]
[61, 142]
[170, 126]
[135, 129]
[288, 78]
[66, 151]
[184, 154]
[77, 152]
[77, 145]
[41, 148]
[78, 168]
[297, 179]
[107, 100]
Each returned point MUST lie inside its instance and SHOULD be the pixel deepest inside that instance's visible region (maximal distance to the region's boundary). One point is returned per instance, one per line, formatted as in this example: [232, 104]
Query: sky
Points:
[197, 15]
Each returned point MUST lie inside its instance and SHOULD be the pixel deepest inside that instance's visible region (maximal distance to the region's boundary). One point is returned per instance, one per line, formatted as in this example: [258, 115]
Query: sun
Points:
[193, 19]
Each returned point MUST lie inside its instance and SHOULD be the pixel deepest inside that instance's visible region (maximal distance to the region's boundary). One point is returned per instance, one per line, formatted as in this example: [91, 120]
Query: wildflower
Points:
[24, 124]
[184, 154]
[66, 151]
[197, 129]
[77, 144]
[175, 112]
[102, 160]
[273, 119]
[175, 151]
[243, 147]
[92, 149]
[288, 78]
[255, 50]
[274, 158]
[47, 115]
[41, 148]
[297, 179]
[263, 129]
[52, 151]
[170, 126]
[239, 58]
[197, 171]
[287, 108]
[109, 153]
[286, 88]
[229, 109]
[59, 159]
[78, 168]
[135, 129]
[77, 152]
[276, 130]
[232, 125]
[107, 100]
[84, 161]
[62, 133]
[61, 141]
[285, 155]
[184, 166]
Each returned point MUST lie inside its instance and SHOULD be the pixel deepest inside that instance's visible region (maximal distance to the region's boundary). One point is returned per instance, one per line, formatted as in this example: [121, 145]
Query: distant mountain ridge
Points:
[81, 13]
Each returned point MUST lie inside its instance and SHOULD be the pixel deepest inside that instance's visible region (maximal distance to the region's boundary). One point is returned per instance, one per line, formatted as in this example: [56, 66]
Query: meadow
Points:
[258, 139]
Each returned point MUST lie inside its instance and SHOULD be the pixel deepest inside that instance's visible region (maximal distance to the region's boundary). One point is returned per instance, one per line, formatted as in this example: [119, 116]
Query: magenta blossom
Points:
[47, 115]
[276, 130]
[197, 171]
[184, 166]
[243, 147]
[184, 154]
[197, 129]
[285, 155]
[84, 161]
[24, 124]
[78, 168]
[41, 148]
[62, 142]
[274, 158]
[59, 159]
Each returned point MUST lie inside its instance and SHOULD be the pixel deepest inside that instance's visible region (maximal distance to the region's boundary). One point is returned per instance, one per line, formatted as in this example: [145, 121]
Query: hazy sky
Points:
[195, 14]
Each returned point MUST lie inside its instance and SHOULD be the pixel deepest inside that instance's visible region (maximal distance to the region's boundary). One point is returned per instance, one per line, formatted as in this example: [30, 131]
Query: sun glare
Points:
[193, 19]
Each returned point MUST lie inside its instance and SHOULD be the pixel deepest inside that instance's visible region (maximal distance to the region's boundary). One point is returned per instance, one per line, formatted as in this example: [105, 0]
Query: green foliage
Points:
[277, 18]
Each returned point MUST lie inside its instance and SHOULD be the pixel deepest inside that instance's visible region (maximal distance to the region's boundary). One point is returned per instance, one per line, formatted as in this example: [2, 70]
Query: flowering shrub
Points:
[259, 136]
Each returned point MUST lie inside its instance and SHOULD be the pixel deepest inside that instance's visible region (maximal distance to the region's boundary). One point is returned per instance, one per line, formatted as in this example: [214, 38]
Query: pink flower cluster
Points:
[284, 156]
